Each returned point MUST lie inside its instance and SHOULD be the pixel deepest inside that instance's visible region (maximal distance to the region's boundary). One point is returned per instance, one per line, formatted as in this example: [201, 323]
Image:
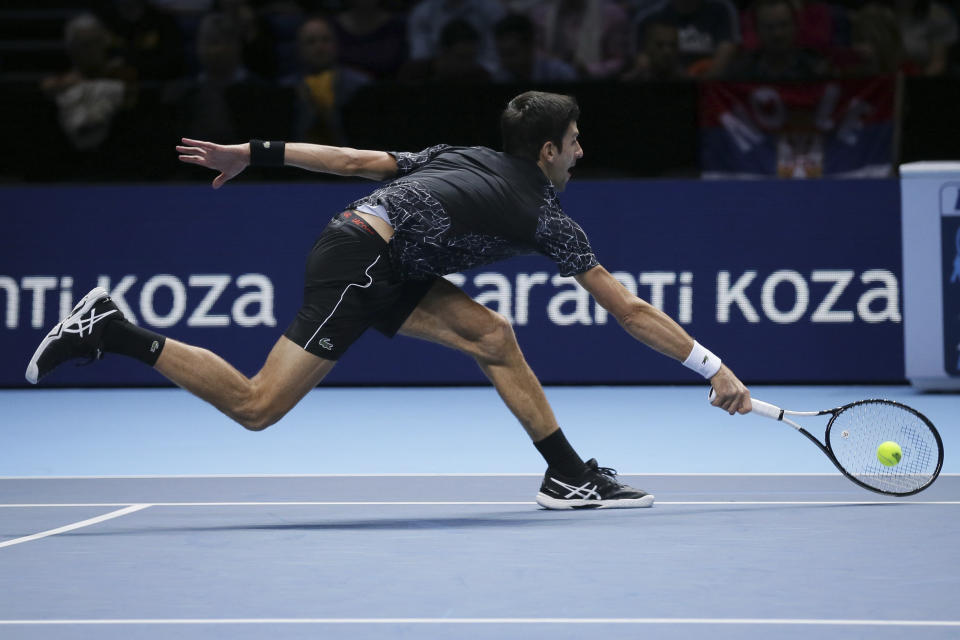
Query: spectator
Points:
[323, 87]
[371, 39]
[778, 56]
[429, 17]
[149, 39]
[709, 32]
[519, 60]
[876, 44]
[660, 58]
[818, 25]
[225, 102]
[95, 90]
[590, 35]
[928, 30]
[256, 38]
[457, 60]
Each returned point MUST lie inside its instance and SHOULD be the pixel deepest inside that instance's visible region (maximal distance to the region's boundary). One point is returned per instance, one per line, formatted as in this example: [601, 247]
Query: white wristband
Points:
[702, 361]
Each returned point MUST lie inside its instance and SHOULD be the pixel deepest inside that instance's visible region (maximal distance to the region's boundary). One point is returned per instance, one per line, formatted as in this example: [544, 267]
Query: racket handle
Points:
[766, 409]
[760, 408]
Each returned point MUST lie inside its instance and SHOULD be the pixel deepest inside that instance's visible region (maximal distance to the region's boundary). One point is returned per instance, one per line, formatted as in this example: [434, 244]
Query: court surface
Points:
[144, 514]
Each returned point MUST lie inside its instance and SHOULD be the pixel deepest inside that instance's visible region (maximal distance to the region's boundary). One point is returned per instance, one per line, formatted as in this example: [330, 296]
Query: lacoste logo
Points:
[325, 343]
[154, 346]
[705, 358]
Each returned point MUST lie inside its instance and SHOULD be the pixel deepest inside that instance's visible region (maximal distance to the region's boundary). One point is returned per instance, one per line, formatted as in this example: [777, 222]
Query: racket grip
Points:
[766, 409]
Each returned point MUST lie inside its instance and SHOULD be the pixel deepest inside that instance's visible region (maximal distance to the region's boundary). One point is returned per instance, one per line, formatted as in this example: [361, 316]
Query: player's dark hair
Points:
[534, 118]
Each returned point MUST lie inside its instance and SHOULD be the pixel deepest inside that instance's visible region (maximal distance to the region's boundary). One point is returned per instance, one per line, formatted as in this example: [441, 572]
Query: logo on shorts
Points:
[325, 343]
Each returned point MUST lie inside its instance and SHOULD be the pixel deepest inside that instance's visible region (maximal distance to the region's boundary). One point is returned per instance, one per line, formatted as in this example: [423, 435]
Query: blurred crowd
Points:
[223, 69]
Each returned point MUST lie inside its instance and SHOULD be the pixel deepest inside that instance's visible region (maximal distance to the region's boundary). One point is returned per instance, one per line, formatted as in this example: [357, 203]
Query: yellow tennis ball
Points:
[889, 453]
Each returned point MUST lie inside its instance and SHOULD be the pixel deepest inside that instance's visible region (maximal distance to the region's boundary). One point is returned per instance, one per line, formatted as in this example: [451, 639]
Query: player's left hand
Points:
[729, 393]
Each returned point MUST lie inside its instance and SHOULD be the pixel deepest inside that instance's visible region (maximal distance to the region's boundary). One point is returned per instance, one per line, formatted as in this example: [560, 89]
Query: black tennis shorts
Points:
[350, 285]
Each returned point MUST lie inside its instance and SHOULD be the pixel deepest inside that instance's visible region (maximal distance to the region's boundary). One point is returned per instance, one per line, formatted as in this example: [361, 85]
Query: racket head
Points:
[856, 430]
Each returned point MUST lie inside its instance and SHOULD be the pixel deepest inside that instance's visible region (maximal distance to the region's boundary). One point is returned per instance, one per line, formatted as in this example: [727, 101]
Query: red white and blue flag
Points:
[798, 130]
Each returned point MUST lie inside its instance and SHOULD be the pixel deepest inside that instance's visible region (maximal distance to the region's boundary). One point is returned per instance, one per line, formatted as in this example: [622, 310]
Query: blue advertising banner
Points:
[950, 237]
[786, 281]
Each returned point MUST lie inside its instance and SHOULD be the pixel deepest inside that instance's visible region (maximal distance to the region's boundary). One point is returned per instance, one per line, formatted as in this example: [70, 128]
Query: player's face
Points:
[558, 168]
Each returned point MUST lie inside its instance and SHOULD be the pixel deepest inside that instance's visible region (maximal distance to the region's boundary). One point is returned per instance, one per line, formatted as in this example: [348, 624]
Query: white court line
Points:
[465, 503]
[500, 621]
[260, 476]
[76, 525]
[413, 475]
[275, 504]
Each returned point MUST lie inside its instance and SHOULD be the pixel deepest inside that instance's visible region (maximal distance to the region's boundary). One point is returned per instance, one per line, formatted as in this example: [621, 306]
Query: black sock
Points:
[559, 455]
[124, 337]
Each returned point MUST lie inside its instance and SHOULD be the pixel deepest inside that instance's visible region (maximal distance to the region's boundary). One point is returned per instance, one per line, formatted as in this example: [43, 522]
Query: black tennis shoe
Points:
[595, 488]
[77, 336]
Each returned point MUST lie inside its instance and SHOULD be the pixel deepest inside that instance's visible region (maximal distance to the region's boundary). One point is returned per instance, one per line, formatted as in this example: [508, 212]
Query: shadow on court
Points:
[378, 524]
[542, 518]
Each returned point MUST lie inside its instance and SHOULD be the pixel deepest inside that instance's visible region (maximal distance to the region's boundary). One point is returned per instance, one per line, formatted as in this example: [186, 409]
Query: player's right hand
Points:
[229, 159]
[729, 393]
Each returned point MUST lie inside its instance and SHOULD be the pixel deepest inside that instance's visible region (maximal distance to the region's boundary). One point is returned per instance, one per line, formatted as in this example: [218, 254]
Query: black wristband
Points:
[266, 153]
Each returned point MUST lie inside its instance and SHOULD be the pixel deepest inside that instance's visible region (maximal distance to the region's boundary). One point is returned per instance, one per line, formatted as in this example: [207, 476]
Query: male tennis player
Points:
[380, 263]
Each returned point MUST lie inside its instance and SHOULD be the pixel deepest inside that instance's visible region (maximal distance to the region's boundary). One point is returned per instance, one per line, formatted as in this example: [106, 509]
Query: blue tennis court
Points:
[367, 513]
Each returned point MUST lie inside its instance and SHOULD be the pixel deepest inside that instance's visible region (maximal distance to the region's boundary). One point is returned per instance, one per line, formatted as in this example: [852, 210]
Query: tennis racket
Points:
[854, 432]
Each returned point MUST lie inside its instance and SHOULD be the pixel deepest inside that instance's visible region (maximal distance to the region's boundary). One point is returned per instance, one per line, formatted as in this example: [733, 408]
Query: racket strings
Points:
[858, 430]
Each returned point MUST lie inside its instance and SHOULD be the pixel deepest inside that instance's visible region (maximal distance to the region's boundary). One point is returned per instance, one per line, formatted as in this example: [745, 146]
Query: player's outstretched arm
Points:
[341, 161]
[658, 331]
[230, 160]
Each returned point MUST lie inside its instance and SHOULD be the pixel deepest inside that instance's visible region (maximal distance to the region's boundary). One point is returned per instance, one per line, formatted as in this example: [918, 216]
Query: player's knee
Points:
[256, 422]
[257, 412]
[251, 419]
[498, 342]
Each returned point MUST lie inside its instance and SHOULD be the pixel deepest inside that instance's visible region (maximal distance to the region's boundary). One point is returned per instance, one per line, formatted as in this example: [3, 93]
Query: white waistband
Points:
[375, 210]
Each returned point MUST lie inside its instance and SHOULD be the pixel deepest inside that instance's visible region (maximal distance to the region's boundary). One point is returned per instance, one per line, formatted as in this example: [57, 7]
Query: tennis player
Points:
[380, 263]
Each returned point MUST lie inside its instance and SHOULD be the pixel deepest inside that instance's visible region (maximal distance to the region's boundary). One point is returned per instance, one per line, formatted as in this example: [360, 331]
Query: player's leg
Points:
[448, 316]
[257, 402]
[341, 280]
[96, 326]
[344, 275]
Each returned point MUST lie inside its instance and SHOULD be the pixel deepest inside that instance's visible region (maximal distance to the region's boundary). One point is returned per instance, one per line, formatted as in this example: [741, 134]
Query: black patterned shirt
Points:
[455, 208]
